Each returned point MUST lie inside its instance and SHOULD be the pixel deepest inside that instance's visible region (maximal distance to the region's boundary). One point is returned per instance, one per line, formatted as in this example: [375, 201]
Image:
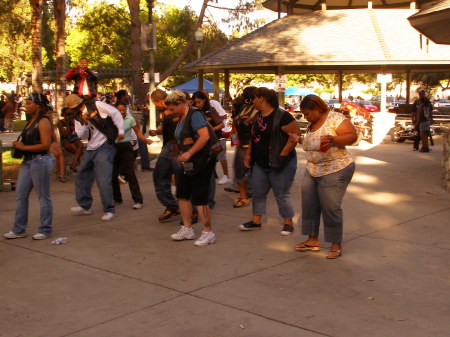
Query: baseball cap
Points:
[72, 101]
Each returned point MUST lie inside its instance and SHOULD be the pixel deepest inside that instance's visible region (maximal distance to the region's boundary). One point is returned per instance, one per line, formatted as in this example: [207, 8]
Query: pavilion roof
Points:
[354, 40]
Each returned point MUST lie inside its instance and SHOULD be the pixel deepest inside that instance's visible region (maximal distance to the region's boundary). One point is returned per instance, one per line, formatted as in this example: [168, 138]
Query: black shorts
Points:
[196, 187]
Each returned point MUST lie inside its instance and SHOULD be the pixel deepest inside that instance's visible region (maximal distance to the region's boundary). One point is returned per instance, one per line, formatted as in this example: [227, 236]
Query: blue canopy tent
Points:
[192, 86]
[294, 91]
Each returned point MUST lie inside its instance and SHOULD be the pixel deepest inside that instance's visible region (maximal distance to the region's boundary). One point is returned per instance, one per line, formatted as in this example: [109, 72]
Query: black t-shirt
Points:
[261, 133]
[168, 127]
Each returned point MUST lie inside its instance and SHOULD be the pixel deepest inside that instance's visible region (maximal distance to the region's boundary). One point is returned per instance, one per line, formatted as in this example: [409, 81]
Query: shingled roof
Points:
[370, 40]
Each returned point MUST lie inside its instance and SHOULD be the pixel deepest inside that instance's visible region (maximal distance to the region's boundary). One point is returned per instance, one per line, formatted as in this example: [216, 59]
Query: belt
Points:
[31, 155]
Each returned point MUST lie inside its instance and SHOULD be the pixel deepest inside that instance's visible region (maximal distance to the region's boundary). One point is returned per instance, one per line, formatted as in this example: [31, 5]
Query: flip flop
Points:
[303, 247]
[334, 254]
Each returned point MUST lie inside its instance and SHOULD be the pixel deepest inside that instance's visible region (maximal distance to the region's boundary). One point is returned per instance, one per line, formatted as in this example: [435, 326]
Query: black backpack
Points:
[104, 125]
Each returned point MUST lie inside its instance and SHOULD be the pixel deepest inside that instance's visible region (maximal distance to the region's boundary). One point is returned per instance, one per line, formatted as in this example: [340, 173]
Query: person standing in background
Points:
[85, 79]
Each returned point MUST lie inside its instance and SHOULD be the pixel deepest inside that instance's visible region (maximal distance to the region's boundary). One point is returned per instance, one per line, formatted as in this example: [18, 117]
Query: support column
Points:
[227, 84]
[200, 79]
[216, 84]
[280, 71]
[340, 85]
[408, 86]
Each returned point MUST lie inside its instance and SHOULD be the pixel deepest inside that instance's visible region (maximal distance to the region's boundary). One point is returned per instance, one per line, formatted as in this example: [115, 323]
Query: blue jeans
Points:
[165, 166]
[323, 195]
[36, 172]
[143, 151]
[96, 164]
[263, 179]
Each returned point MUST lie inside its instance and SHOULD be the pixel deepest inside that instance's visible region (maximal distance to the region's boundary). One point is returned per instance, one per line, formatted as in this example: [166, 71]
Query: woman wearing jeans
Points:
[274, 159]
[35, 171]
[329, 170]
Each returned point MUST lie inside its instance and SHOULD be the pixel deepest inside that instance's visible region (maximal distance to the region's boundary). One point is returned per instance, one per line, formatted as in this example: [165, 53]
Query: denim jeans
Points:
[165, 166]
[263, 179]
[37, 173]
[323, 195]
[143, 151]
[96, 165]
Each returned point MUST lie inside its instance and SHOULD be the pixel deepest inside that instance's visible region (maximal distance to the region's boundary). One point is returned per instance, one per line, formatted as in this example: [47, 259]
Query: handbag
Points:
[209, 152]
[16, 153]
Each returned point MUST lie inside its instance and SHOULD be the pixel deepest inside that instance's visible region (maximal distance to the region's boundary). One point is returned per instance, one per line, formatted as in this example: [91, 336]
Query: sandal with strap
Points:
[62, 179]
[303, 247]
[241, 203]
[334, 254]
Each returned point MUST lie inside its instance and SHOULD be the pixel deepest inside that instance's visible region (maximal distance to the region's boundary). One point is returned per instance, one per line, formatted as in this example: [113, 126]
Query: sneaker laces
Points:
[204, 236]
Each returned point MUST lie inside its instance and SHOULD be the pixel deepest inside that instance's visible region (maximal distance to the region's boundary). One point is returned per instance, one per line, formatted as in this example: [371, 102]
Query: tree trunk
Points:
[136, 52]
[166, 73]
[60, 17]
[36, 44]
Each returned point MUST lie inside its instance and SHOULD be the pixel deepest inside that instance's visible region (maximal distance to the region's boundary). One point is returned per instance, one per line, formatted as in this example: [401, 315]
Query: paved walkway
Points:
[127, 278]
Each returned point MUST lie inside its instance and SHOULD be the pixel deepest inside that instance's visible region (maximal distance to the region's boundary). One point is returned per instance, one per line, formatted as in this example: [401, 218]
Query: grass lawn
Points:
[10, 165]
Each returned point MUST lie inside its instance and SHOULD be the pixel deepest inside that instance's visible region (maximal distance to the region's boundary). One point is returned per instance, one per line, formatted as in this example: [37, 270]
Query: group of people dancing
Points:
[265, 159]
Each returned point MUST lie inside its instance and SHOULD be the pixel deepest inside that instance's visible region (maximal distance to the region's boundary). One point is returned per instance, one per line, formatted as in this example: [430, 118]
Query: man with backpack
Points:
[102, 124]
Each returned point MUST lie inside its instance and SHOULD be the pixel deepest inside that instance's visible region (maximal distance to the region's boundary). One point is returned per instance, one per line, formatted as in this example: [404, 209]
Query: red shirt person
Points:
[85, 79]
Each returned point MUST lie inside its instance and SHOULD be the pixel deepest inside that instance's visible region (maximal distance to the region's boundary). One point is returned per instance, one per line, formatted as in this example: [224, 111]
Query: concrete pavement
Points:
[127, 278]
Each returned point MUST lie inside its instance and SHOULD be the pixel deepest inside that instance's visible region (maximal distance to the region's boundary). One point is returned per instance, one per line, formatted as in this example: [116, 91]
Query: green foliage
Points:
[15, 49]
[102, 35]
[429, 81]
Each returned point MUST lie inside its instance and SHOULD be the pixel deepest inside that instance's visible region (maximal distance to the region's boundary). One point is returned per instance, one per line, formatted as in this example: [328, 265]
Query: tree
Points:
[60, 17]
[15, 47]
[101, 37]
[430, 81]
[36, 44]
[136, 51]
[188, 46]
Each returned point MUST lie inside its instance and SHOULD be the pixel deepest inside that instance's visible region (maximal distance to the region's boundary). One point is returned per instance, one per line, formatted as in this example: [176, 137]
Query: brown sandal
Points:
[241, 203]
[303, 247]
[334, 254]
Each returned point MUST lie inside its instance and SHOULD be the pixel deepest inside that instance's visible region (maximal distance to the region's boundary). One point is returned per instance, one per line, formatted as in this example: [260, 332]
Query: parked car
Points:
[334, 104]
[368, 106]
[442, 102]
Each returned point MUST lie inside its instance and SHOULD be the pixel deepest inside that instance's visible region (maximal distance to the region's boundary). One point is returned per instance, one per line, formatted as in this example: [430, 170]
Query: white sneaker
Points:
[80, 210]
[224, 180]
[183, 234]
[12, 235]
[138, 206]
[205, 239]
[40, 236]
[107, 216]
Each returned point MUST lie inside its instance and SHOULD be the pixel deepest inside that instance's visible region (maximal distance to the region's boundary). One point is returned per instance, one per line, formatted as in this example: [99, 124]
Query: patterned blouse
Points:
[335, 158]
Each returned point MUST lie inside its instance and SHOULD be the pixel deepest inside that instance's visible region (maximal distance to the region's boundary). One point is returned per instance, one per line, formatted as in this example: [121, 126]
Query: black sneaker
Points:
[287, 230]
[168, 213]
[250, 226]
[229, 189]
[424, 149]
